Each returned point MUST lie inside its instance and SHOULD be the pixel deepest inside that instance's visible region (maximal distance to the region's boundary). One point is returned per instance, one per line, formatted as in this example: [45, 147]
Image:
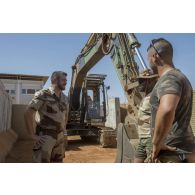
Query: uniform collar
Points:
[51, 89]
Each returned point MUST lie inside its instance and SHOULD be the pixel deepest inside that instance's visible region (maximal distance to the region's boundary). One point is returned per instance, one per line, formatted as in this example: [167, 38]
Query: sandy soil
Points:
[82, 152]
[77, 151]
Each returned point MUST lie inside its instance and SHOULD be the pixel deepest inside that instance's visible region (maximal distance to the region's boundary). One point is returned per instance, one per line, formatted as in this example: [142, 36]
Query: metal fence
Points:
[5, 109]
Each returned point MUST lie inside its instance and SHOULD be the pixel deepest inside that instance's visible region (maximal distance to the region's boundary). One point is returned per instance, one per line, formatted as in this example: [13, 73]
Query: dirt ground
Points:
[79, 151]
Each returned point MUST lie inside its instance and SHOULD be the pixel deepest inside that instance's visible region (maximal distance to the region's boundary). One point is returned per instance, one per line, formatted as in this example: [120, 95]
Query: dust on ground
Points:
[79, 151]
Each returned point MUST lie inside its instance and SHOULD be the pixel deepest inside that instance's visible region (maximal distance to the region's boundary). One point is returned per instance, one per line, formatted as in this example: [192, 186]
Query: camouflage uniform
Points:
[181, 135]
[50, 121]
[144, 114]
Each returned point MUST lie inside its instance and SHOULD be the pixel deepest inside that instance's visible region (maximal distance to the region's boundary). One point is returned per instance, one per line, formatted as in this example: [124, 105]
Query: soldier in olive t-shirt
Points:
[171, 103]
[175, 82]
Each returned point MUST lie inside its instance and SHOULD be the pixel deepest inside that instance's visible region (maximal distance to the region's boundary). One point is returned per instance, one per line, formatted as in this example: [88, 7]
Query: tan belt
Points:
[50, 132]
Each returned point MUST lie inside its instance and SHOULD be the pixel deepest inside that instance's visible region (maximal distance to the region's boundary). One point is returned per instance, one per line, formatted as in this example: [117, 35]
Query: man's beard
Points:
[154, 68]
[61, 87]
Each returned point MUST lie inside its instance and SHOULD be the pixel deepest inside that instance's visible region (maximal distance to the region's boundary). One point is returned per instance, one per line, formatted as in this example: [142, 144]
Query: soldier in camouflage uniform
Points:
[171, 103]
[144, 147]
[145, 144]
[51, 107]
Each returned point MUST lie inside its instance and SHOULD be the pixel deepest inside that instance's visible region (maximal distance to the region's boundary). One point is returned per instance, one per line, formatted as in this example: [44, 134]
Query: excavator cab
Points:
[89, 120]
[95, 103]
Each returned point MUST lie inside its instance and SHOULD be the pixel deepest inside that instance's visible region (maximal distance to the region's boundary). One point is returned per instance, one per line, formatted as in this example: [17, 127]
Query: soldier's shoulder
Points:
[175, 75]
[181, 78]
[43, 93]
[169, 79]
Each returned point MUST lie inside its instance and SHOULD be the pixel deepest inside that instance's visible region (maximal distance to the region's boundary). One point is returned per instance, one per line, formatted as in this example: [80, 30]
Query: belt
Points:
[50, 132]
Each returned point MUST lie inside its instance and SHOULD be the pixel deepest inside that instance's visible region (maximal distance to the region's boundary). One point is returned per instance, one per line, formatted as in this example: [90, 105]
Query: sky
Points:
[41, 54]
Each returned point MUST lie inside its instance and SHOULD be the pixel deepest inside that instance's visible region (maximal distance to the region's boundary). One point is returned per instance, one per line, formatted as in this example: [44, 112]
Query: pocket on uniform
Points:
[51, 110]
[62, 107]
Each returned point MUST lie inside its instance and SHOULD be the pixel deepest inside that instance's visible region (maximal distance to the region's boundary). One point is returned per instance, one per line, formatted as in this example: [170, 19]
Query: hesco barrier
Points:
[193, 114]
[5, 109]
[7, 135]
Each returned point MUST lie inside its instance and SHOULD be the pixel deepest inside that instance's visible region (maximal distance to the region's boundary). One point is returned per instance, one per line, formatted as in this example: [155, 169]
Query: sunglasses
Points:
[152, 46]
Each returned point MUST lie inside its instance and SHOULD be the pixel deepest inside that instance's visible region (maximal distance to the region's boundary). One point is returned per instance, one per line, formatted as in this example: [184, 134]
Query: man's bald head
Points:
[160, 51]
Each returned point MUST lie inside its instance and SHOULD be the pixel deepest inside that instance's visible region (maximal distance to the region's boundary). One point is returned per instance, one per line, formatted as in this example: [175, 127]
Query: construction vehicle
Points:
[123, 49]
[89, 120]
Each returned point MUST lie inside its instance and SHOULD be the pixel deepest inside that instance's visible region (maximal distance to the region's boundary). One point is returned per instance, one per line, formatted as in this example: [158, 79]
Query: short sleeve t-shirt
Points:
[175, 82]
[51, 109]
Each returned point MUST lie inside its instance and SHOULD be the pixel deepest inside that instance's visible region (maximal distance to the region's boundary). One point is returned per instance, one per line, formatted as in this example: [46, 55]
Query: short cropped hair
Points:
[162, 47]
[57, 74]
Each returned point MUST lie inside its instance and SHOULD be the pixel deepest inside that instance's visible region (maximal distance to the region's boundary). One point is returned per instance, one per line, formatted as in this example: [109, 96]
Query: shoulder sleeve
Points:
[37, 101]
[170, 85]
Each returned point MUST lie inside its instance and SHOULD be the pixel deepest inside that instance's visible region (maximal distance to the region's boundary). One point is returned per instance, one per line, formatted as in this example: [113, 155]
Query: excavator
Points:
[123, 48]
[89, 120]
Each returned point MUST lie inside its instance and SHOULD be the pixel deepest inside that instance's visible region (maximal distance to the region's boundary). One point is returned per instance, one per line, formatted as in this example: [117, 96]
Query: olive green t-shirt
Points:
[175, 82]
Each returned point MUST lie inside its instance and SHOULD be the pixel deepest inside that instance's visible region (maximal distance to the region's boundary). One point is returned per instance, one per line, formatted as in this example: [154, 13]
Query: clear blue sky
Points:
[41, 54]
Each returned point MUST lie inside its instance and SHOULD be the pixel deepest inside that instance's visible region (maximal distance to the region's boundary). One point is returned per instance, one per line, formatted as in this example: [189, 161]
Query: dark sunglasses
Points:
[152, 46]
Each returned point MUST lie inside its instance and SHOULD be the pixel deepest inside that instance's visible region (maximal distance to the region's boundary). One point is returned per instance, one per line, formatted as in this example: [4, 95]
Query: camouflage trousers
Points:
[144, 148]
[52, 150]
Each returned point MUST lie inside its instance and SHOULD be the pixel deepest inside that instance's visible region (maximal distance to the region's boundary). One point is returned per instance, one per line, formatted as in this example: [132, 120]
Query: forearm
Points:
[163, 124]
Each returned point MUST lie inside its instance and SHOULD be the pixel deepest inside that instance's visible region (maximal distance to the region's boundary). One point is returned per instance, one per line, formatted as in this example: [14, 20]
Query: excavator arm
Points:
[123, 49]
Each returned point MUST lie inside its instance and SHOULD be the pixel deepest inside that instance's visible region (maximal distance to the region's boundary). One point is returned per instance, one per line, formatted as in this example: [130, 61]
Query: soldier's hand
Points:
[156, 149]
[38, 139]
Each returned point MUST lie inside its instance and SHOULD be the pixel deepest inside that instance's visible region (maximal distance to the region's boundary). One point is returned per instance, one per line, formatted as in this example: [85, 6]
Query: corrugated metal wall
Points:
[5, 109]
[193, 114]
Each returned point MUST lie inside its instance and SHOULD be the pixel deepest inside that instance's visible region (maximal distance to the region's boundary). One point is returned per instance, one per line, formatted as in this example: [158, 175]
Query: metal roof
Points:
[24, 77]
